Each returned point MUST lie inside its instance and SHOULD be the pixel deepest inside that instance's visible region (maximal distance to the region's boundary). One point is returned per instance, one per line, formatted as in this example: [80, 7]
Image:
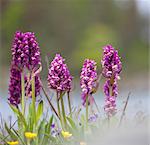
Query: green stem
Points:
[49, 101]
[87, 110]
[63, 110]
[33, 99]
[124, 109]
[58, 107]
[69, 104]
[28, 141]
[22, 93]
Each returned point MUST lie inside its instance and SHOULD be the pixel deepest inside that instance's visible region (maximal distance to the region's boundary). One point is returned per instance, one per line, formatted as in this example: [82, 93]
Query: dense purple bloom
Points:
[111, 63]
[111, 68]
[34, 51]
[20, 50]
[15, 86]
[59, 77]
[25, 51]
[88, 79]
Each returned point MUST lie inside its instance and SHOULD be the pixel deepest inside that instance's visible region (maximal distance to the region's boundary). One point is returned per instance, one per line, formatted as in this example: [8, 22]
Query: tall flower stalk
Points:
[69, 103]
[23, 92]
[88, 83]
[60, 80]
[25, 58]
[111, 69]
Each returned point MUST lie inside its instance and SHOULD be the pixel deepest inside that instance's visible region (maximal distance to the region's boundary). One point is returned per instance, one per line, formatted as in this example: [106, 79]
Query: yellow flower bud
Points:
[30, 135]
[66, 134]
[83, 143]
[13, 142]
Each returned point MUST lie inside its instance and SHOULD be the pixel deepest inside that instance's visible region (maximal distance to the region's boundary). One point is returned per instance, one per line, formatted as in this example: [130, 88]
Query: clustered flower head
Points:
[111, 68]
[20, 50]
[111, 63]
[88, 79]
[25, 50]
[25, 55]
[34, 51]
[14, 86]
[59, 77]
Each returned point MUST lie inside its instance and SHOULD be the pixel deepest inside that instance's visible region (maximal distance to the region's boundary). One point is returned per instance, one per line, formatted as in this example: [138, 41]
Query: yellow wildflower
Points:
[66, 134]
[30, 135]
[83, 143]
[13, 142]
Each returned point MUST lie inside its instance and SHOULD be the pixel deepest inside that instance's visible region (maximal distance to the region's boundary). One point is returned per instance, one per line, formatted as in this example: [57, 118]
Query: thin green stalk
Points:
[58, 107]
[49, 101]
[111, 93]
[69, 104]
[33, 99]
[28, 141]
[87, 111]
[124, 109]
[63, 110]
[22, 93]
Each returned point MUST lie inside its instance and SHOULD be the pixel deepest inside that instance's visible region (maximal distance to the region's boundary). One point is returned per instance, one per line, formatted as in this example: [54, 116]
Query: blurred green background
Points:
[78, 29]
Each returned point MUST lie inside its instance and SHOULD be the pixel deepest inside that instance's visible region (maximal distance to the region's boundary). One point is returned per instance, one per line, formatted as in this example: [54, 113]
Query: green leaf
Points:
[47, 131]
[14, 109]
[22, 118]
[30, 118]
[30, 124]
[10, 132]
[2, 138]
[82, 119]
[48, 126]
[72, 123]
[19, 137]
[39, 110]
[41, 128]
[19, 114]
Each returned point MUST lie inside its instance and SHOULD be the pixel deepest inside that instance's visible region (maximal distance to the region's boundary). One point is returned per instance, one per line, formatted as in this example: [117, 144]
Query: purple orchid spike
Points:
[20, 50]
[111, 69]
[59, 77]
[34, 52]
[88, 79]
[15, 86]
[111, 63]
[25, 51]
